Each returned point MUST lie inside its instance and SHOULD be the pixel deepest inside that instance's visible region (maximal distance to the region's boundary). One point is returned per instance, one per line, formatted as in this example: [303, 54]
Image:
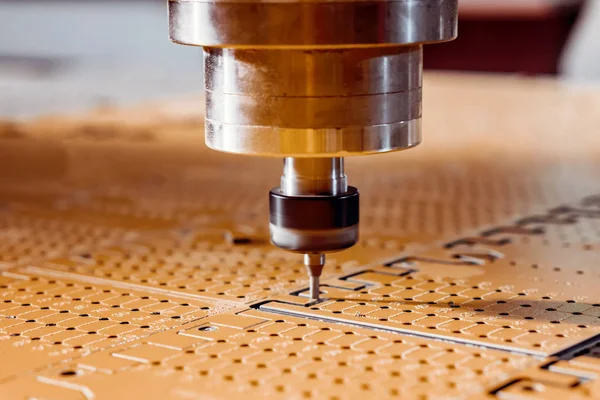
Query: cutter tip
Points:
[314, 263]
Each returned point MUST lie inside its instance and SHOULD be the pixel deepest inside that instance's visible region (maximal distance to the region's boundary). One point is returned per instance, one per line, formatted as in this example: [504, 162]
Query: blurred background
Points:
[64, 55]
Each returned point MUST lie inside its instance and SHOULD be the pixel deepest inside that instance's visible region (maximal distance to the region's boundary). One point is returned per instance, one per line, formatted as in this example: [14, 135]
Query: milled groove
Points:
[264, 308]
[527, 226]
[357, 273]
[257, 306]
[544, 366]
[478, 240]
[561, 215]
[348, 278]
[306, 290]
[118, 284]
[363, 286]
[573, 351]
[504, 386]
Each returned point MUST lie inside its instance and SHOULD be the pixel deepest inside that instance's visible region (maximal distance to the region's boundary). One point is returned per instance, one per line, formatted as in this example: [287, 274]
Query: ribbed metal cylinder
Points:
[311, 23]
[313, 103]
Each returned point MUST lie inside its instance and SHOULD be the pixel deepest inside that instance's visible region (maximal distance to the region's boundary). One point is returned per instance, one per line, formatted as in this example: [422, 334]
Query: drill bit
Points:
[314, 263]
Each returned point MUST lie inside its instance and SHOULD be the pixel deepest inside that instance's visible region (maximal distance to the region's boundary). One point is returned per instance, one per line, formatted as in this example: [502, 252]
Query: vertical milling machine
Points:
[313, 81]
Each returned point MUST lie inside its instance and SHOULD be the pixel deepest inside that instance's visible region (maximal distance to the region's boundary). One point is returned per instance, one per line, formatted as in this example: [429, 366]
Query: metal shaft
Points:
[313, 176]
[314, 263]
[310, 177]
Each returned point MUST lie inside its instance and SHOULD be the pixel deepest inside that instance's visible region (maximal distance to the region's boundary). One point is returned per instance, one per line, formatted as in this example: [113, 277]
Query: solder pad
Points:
[134, 262]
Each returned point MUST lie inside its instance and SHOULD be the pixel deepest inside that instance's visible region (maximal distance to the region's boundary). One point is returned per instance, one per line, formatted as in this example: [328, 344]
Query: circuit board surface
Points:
[134, 262]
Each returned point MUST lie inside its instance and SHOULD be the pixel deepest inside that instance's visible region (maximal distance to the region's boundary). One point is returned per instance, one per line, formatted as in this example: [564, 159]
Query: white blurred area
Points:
[581, 59]
[70, 55]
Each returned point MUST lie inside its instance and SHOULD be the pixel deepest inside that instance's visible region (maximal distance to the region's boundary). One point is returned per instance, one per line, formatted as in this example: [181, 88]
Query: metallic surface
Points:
[327, 142]
[133, 264]
[313, 73]
[314, 263]
[317, 102]
[311, 23]
[313, 176]
[314, 211]
[325, 240]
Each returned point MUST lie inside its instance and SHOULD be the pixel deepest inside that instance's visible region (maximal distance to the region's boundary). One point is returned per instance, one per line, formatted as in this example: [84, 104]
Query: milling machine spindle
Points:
[312, 82]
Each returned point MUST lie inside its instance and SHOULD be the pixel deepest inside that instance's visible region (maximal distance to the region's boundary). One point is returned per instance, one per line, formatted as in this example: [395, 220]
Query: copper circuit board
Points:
[135, 262]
